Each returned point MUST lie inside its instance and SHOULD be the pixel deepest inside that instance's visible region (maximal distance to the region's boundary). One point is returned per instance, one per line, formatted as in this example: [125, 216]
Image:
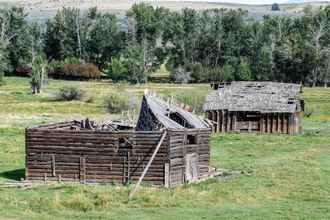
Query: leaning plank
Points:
[148, 165]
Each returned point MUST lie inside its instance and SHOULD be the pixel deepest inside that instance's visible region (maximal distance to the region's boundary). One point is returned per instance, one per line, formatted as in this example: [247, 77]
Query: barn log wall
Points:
[93, 156]
[281, 123]
[179, 148]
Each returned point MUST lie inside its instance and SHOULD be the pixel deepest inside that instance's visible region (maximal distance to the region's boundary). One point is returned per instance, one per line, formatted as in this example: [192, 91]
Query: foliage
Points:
[76, 71]
[103, 40]
[116, 103]
[116, 70]
[70, 93]
[38, 74]
[244, 71]
[213, 44]
[182, 76]
[3, 61]
[134, 62]
[15, 31]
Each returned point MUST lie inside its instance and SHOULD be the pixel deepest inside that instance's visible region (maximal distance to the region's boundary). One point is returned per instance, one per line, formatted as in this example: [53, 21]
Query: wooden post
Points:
[235, 121]
[265, 123]
[261, 124]
[285, 123]
[227, 121]
[288, 123]
[26, 154]
[278, 126]
[148, 165]
[213, 120]
[222, 121]
[291, 124]
[53, 166]
[218, 121]
[167, 175]
[269, 123]
[249, 126]
[82, 174]
[274, 123]
[128, 166]
[282, 123]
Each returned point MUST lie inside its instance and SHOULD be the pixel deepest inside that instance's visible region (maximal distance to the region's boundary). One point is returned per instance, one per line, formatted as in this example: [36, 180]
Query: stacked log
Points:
[93, 156]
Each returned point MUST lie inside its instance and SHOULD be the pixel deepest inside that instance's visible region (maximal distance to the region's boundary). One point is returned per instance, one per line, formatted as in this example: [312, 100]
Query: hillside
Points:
[41, 10]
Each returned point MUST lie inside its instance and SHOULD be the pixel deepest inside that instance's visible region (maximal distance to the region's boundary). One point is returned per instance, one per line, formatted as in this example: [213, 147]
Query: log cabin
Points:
[264, 107]
[168, 147]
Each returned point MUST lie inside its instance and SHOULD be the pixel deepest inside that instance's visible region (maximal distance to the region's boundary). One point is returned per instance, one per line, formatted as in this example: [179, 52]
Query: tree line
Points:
[195, 46]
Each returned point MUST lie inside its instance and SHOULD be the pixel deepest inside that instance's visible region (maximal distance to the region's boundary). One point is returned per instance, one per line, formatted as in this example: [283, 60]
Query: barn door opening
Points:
[191, 168]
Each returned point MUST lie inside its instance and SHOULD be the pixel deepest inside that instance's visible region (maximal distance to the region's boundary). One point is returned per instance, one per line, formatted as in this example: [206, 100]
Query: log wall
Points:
[101, 157]
[93, 156]
[180, 147]
[282, 123]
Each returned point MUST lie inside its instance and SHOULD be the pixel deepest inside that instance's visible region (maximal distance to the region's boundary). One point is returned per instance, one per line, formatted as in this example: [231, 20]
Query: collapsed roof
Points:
[263, 97]
[156, 114]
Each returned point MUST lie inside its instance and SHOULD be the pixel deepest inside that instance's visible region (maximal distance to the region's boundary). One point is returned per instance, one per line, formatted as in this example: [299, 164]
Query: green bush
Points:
[116, 70]
[117, 103]
[69, 93]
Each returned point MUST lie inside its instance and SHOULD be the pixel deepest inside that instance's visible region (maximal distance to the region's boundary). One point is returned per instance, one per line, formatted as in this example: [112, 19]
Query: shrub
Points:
[117, 103]
[116, 70]
[23, 70]
[69, 93]
[194, 99]
[182, 76]
[71, 69]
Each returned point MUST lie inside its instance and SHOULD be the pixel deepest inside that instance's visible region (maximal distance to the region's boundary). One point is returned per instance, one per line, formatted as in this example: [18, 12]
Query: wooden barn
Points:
[168, 147]
[265, 107]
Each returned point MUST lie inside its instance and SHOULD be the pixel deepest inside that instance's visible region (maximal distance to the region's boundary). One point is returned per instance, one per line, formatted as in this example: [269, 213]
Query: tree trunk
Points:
[33, 89]
[314, 84]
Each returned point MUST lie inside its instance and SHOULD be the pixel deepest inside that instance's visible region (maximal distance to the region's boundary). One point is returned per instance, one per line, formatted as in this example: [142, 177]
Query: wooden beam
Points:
[148, 165]
[26, 154]
[282, 123]
[269, 123]
[222, 121]
[53, 166]
[167, 175]
[218, 121]
[261, 124]
[235, 121]
[274, 123]
[82, 168]
[288, 123]
[213, 120]
[228, 121]
[278, 122]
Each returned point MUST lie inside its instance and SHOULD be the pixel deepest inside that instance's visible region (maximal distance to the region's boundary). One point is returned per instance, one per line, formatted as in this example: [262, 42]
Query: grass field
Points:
[290, 176]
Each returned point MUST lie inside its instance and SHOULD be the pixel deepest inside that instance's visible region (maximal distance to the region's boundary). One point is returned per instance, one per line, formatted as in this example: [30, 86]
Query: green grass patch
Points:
[290, 175]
